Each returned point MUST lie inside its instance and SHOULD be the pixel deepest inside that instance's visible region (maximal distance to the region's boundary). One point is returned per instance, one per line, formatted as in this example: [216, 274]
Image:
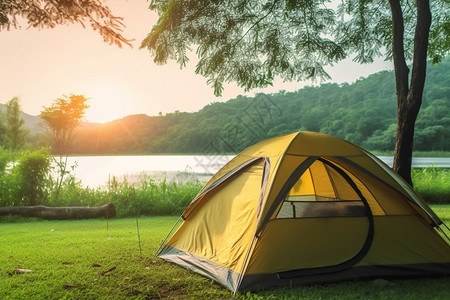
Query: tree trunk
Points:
[409, 99]
[60, 213]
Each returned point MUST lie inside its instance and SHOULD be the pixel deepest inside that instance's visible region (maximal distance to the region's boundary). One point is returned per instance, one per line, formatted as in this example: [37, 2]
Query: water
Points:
[422, 162]
[97, 170]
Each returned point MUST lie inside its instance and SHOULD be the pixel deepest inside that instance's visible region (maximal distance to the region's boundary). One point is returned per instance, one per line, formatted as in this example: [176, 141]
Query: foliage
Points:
[253, 42]
[362, 113]
[11, 125]
[32, 169]
[24, 177]
[27, 179]
[48, 14]
[61, 118]
[2, 128]
[8, 182]
[432, 184]
[5, 158]
[43, 247]
[247, 42]
[153, 198]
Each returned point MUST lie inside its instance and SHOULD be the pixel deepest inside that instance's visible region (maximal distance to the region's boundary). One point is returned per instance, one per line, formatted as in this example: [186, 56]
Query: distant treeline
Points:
[363, 113]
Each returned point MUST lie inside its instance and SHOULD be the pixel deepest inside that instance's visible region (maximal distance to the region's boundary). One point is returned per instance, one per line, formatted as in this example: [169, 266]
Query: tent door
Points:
[298, 207]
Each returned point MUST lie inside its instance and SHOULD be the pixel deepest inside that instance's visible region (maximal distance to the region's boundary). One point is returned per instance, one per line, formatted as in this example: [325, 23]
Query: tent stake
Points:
[137, 224]
[109, 200]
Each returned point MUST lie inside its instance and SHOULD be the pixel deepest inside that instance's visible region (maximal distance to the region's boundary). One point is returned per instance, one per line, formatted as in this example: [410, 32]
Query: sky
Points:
[39, 66]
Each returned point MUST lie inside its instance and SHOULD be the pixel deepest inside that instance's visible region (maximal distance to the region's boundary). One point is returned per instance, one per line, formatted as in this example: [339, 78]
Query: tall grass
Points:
[29, 182]
[161, 197]
[432, 184]
[153, 197]
[26, 179]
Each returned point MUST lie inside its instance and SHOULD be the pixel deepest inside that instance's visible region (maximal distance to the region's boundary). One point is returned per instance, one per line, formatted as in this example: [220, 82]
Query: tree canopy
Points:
[12, 132]
[251, 42]
[49, 13]
[62, 117]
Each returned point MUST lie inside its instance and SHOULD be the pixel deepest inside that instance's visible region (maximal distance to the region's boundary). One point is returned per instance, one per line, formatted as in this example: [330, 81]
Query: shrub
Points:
[5, 159]
[6, 186]
[32, 172]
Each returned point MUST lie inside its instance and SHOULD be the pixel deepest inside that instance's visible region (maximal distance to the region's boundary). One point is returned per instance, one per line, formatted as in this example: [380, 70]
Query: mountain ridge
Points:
[363, 112]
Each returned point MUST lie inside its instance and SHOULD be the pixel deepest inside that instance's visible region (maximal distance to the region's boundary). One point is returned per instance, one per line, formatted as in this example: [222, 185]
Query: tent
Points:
[302, 208]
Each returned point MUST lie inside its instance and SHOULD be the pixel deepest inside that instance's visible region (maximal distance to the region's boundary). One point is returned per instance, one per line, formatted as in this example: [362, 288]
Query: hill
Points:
[363, 113]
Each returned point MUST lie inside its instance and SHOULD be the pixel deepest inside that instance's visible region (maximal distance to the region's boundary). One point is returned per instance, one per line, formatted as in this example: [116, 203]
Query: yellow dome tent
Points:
[306, 207]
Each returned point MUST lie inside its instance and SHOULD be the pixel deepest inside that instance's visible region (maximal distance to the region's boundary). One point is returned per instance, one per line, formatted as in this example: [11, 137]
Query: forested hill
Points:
[363, 112]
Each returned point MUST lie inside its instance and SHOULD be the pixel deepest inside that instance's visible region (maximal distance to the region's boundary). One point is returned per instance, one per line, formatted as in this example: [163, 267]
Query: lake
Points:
[97, 170]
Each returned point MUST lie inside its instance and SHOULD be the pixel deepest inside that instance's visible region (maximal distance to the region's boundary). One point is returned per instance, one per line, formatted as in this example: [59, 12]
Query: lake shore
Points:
[169, 176]
[95, 171]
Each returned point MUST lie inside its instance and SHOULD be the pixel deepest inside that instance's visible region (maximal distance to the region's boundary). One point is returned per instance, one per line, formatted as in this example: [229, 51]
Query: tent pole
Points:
[241, 274]
[443, 232]
[164, 241]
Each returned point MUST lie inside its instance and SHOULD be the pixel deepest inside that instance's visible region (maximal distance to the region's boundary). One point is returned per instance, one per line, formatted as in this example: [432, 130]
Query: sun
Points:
[107, 103]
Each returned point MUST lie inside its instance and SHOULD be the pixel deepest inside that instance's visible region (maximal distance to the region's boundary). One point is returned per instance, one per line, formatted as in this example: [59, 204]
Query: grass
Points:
[62, 255]
[432, 184]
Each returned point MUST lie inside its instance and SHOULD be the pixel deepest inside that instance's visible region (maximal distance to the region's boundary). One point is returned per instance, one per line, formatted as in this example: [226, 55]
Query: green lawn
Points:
[62, 254]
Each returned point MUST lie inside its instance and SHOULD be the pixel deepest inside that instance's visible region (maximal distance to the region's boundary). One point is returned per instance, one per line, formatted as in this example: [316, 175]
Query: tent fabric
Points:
[306, 207]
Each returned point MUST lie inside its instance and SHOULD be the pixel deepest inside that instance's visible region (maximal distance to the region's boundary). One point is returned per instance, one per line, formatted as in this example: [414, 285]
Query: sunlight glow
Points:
[107, 103]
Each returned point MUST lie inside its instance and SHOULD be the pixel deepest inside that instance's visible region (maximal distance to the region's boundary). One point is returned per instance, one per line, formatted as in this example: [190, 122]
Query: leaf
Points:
[96, 265]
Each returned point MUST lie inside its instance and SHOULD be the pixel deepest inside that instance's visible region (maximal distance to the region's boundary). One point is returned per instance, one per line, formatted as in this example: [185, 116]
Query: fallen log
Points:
[60, 213]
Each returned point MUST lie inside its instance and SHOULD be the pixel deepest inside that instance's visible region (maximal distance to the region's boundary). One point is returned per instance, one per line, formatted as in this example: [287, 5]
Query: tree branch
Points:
[256, 23]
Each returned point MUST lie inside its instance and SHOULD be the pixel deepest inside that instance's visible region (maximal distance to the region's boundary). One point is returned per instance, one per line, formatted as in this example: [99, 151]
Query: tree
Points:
[49, 13]
[14, 133]
[251, 42]
[61, 118]
[2, 128]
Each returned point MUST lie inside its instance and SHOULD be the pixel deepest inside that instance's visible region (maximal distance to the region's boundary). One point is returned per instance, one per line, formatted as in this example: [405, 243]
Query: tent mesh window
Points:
[321, 192]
